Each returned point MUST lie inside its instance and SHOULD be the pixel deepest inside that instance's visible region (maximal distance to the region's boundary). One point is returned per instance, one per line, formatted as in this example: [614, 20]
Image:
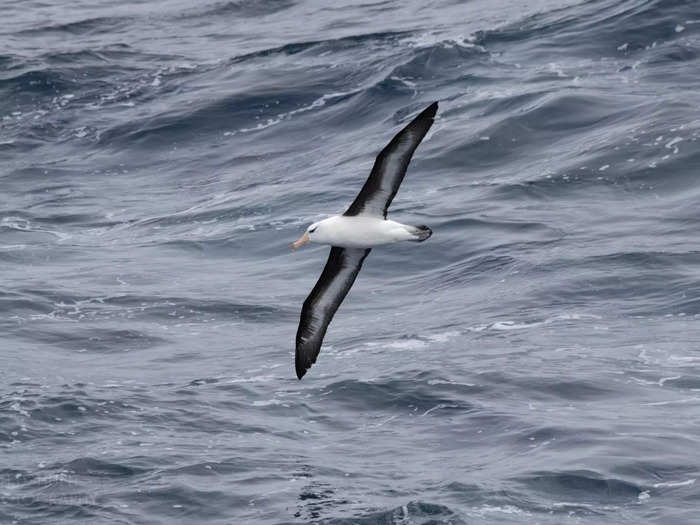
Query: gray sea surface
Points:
[537, 361]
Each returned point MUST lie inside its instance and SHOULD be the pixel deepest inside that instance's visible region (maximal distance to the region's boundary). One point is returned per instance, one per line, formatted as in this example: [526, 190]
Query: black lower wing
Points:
[340, 271]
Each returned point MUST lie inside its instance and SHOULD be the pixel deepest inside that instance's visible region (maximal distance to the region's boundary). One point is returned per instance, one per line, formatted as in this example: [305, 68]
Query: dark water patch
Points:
[191, 308]
[420, 513]
[212, 118]
[83, 57]
[40, 173]
[56, 296]
[49, 188]
[124, 58]
[656, 278]
[614, 24]
[246, 467]
[676, 52]
[428, 62]
[507, 105]
[204, 381]
[551, 387]
[59, 409]
[677, 302]
[179, 501]
[637, 25]
[243, 8]
[63, 506]
[535, 436]
[684, 382]
[96, 468]
[89, 26]
[654, 472]
[467, 492]
[59, 305]
[222, 213]
[46, 82]
[16, 305]
[9, 219]
[93, 339]
[672, 175]
[534, 119]
[9, 62]
[66, 219]
[385, 89]
[533, 27]
[495, 227]
[392, 395]
[582, 486]
[569, 184]
[8, 474]
[207, 469]
[319, 47]
[575, 111]
[315, 499]
[645, 260]
[39, 416]
[470, 270]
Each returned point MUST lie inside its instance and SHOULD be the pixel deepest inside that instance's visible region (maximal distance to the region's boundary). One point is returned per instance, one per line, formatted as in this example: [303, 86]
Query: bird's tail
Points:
[420, 233]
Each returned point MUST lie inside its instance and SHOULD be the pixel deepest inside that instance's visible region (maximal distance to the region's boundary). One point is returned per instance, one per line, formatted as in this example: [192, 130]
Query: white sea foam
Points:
[254, 379]
[512, 325]
[406, 344]
[321, 101]
[268, 402]
[671, 484]
[438, 407]
[682, 401]
[498, 509]
[664, 379]
[672, 144]
[524, 325]
[443, 337]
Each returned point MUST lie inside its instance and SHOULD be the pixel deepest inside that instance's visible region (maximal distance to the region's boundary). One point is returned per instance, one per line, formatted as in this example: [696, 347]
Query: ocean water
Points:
[536, 361]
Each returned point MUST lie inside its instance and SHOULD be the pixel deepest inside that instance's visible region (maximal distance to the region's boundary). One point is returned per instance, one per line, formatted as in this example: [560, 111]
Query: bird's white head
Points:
[314, 233]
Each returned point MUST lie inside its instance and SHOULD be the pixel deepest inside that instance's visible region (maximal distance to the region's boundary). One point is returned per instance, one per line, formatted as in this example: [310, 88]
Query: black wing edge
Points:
[373, 184]
[324, 300]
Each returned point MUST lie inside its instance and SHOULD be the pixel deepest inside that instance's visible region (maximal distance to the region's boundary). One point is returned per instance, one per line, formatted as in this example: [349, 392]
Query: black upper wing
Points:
[390, 167]
[341, 269]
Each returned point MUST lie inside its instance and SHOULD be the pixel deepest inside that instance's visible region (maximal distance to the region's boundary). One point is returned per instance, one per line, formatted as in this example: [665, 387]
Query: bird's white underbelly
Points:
[365, 232]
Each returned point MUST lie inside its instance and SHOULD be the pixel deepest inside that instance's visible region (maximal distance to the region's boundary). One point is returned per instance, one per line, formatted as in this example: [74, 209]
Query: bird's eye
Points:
[313, 229]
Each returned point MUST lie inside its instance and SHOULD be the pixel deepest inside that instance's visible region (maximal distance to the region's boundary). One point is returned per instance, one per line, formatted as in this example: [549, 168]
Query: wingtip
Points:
[301, 364]
[429, 112]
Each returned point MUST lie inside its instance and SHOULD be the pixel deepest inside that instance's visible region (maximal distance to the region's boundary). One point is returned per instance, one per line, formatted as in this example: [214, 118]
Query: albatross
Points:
[353, 234]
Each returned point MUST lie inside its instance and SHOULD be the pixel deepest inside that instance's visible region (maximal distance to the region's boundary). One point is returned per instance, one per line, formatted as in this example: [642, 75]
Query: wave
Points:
[413, 512]
[60, 305]
[240, 8]
[581, 487]
[88, 26]
[594, 27]
[416, 395]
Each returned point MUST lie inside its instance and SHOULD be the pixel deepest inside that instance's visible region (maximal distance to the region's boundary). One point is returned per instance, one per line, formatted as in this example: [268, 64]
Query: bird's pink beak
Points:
[302, 240]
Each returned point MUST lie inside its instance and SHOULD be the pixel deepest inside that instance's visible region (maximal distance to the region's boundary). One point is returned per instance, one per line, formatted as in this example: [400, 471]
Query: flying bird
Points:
[353, 234]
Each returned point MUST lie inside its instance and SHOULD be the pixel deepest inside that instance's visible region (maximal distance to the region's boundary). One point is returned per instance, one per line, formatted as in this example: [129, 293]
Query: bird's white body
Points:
[361, 231]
